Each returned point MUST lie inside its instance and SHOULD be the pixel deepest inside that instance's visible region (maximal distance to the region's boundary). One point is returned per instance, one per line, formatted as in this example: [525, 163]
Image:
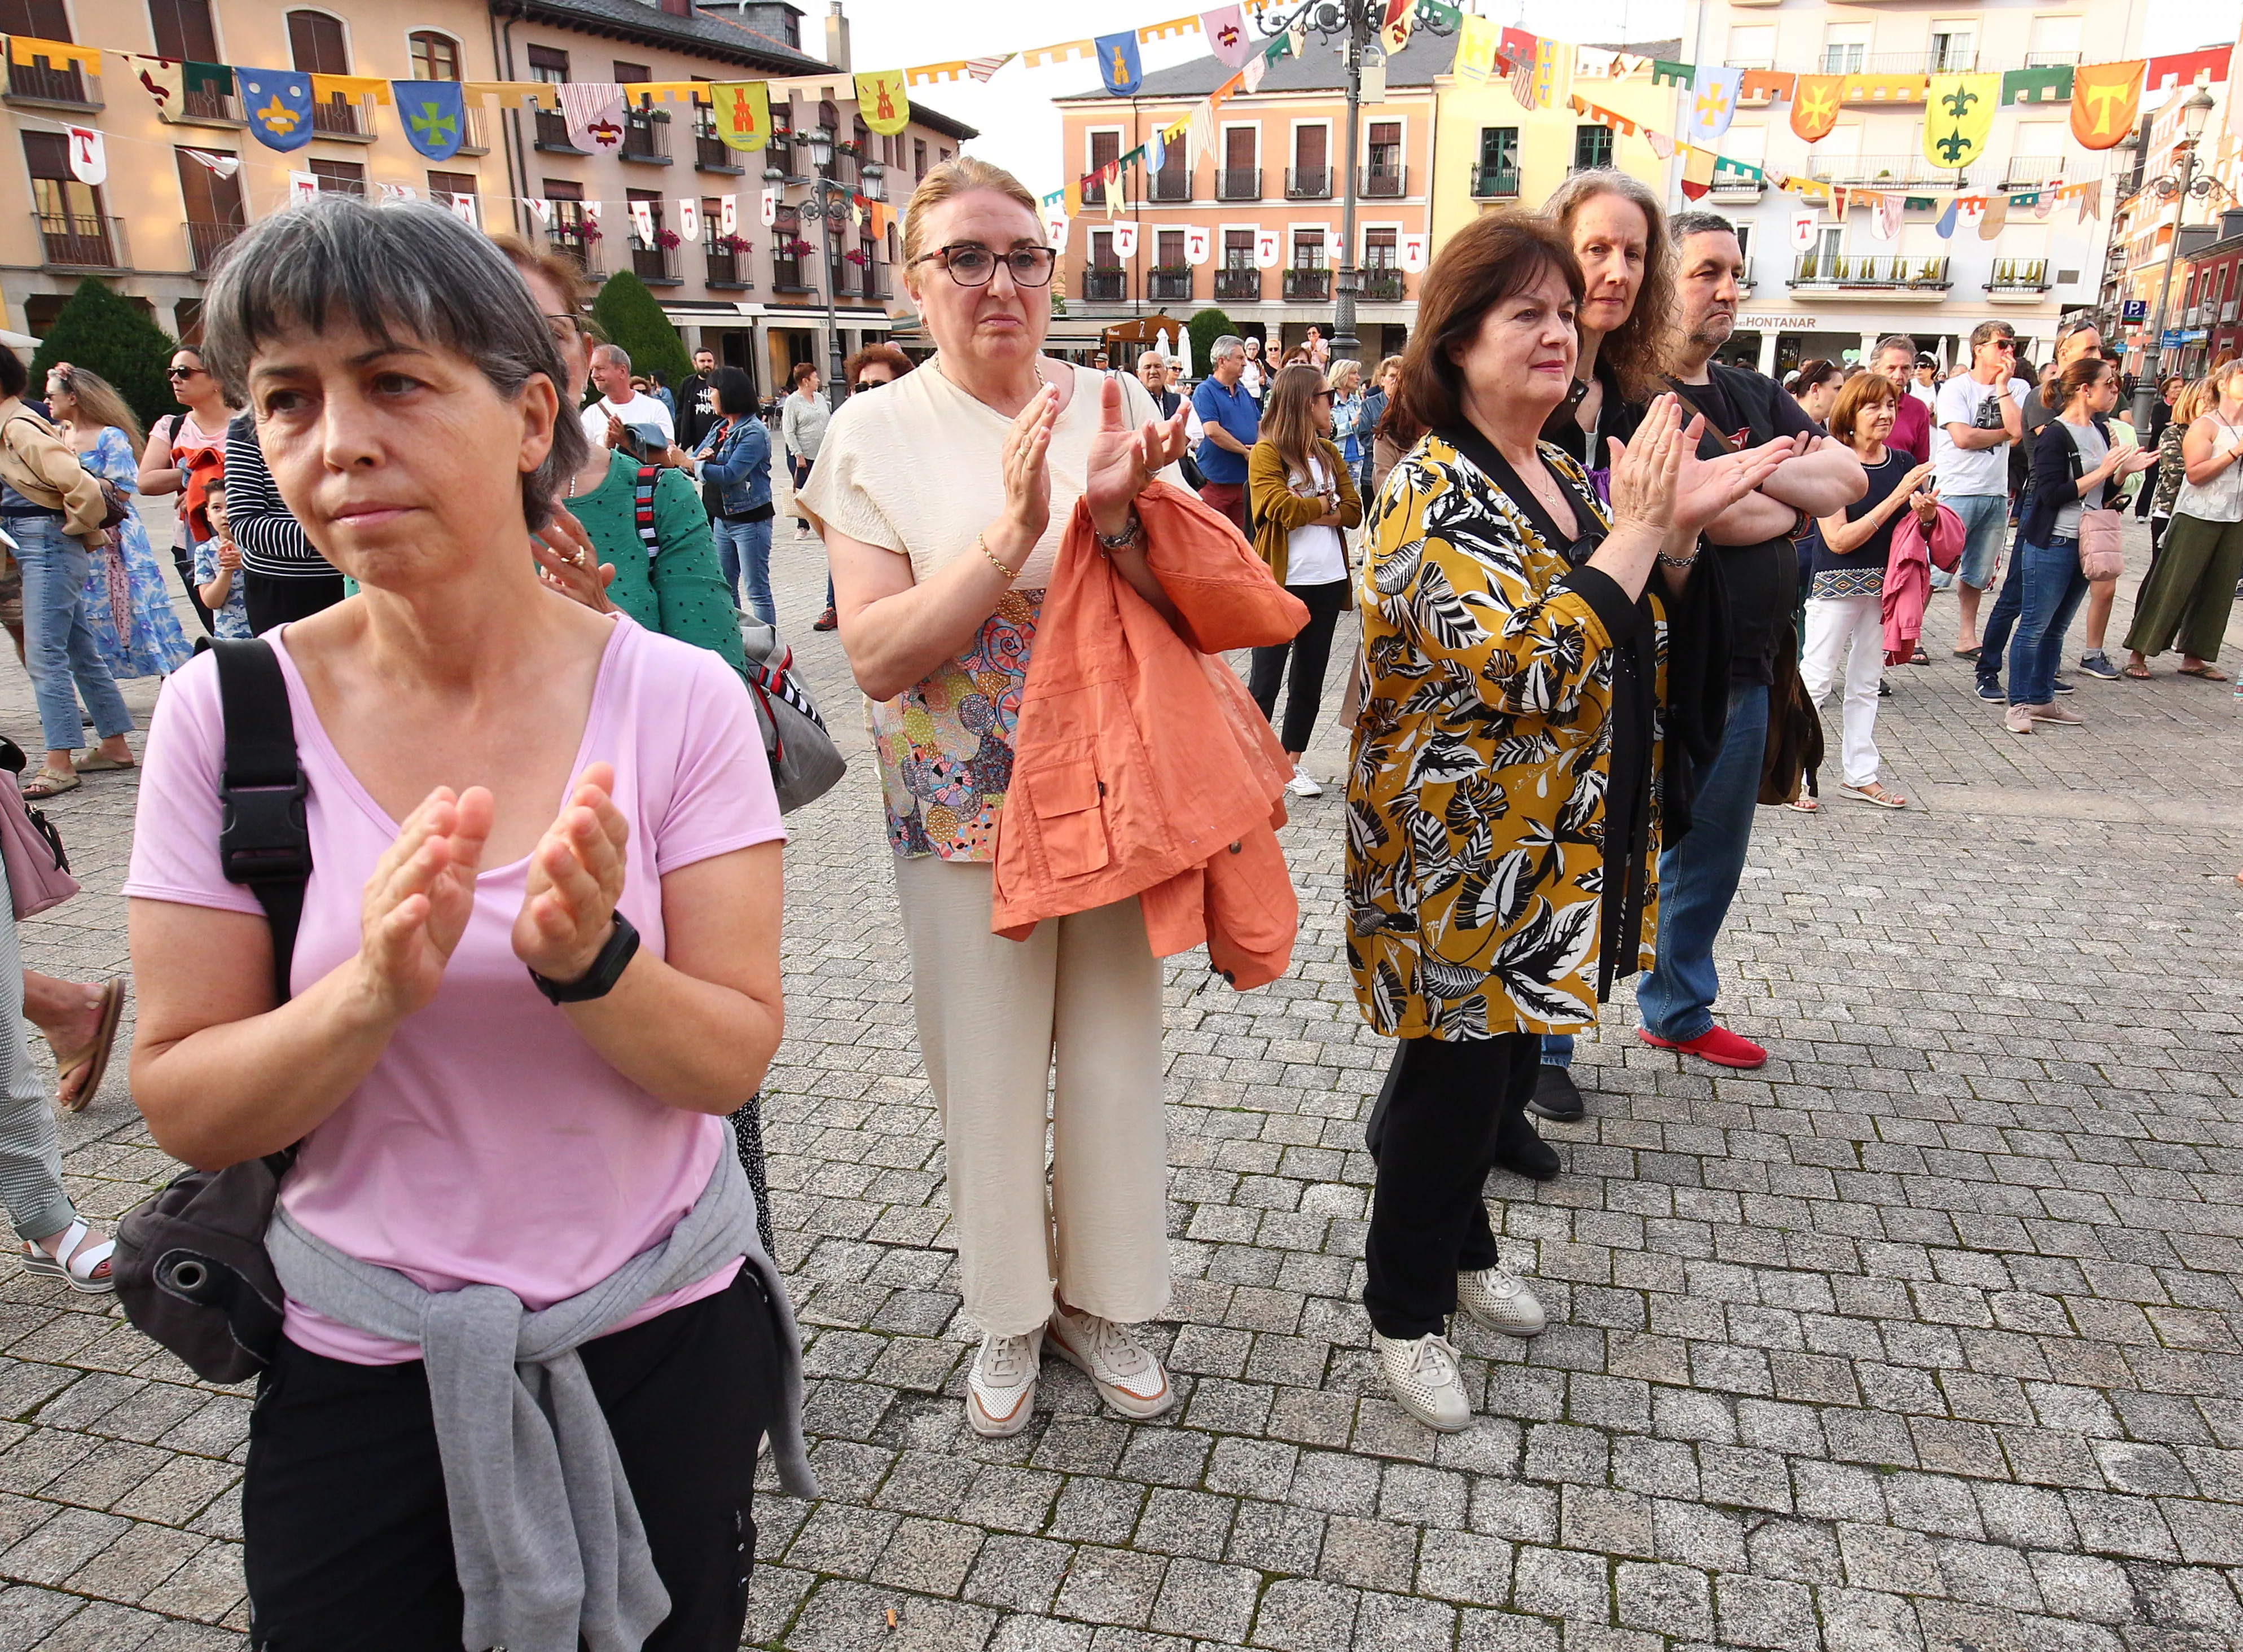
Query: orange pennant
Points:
[1761, 83]
[2105, 99]
[1816, 110]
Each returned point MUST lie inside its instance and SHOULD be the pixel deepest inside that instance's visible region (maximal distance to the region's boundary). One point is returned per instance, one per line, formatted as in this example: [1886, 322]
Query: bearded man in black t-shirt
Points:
[1698, 873]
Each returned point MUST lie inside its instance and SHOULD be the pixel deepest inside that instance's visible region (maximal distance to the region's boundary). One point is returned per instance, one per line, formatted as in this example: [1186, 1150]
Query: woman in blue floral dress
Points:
[127, 602]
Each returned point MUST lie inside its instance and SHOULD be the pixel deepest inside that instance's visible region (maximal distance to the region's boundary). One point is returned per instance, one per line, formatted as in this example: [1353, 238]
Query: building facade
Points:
[1275, 165]
[1491, 152]
[1846, 289]
[181, 185]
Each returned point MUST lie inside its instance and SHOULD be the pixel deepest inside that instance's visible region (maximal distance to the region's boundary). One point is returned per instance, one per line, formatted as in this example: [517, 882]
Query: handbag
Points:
[191, 1266]
[39, 868]
[805, 764]
[2101, 555]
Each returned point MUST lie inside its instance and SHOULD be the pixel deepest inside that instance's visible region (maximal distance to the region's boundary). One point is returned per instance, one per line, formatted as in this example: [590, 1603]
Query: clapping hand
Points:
[575, 878]
[1123, 461]
[417, 904]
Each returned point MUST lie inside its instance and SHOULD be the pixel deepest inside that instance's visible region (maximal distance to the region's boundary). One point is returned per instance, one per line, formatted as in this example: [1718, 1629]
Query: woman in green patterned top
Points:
[594, 551]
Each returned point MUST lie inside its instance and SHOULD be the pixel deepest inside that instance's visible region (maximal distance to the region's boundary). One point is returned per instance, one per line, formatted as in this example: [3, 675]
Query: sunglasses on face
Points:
[181, 373]
[971, 264]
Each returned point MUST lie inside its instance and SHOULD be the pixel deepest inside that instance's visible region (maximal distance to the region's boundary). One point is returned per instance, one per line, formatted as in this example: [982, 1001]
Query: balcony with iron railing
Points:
[76, 241]
[1497, 183]
[1382, 283]
[70, 86]
[1836, 273]
[1162, 285]
[788, 273]
[2023, 277]
[1170, 184]
[2025, 172]
[1238, 183]
[1918, 62]
[2227, 312]
[206, 241]
[728, 268]
[1106, 286]
[1891, 169]
[713, 154]
[572, 242]
[341, 118]
[1307, 285]
[214, 109]
[553, 132]
[1238, 283]
[646, 137]
[1308, 182]
[1735, 188]
[656, 266]
[1382, 183]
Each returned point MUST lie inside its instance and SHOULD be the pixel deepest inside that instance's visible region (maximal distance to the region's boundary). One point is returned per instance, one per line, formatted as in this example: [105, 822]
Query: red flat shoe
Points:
[1716, 1044]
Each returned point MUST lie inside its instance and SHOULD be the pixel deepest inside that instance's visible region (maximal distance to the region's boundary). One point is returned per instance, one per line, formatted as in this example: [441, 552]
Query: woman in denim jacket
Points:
[736, 455]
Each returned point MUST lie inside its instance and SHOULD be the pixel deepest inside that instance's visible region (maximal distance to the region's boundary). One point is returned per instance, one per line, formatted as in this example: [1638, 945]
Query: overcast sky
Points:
[1020, 129]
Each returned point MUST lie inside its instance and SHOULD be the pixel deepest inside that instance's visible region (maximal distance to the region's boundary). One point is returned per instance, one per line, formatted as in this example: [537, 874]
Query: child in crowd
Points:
[218, 569]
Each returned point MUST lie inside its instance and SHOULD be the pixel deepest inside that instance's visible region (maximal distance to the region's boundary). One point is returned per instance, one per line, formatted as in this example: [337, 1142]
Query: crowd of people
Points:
[533, 1341]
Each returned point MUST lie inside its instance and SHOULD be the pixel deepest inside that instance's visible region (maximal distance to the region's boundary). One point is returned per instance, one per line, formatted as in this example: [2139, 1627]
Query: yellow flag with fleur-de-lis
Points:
[1958, 118]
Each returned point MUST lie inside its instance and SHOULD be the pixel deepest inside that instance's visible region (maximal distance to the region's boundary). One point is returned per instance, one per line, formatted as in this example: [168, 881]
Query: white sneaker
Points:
[1123, 1370]
[1000, 1385]
[1301, 785]
[1501, 1302]
[1423, 1375]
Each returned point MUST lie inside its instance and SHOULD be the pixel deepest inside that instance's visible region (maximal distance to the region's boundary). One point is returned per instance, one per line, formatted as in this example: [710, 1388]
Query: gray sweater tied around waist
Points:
[545, 1533]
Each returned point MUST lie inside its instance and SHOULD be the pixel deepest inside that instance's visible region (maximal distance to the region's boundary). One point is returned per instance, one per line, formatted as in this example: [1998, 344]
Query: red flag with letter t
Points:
[2107, 98]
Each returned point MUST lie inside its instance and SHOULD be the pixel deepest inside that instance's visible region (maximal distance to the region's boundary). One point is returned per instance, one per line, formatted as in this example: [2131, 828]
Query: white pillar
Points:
[1869, 348]
[1768, 335]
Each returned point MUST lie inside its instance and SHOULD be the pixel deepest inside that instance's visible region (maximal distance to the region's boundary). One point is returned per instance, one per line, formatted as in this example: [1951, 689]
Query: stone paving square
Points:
[1924, 1338]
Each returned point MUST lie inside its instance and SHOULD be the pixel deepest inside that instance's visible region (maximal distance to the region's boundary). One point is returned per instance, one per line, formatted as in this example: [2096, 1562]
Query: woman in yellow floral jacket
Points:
[1502, 811]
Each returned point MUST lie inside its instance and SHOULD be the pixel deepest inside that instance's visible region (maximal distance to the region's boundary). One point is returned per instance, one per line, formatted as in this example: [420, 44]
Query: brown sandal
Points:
[49, 784]
[93, 1059]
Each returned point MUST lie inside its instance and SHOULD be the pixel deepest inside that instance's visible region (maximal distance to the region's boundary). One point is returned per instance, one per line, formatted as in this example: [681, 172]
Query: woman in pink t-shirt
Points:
[511, 800]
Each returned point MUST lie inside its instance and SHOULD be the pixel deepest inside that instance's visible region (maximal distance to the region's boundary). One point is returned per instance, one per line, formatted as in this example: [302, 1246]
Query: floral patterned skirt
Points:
[129, 607]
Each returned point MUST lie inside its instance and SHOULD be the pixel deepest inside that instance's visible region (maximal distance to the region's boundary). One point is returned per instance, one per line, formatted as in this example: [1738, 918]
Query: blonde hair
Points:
[1339, 370]
[2218, 376]
[98, 401]
[960, 177]
[2194, 402]
[1291, 422]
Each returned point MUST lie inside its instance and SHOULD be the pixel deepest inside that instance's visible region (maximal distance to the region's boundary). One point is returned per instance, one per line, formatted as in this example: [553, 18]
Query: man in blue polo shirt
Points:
[1233, 423]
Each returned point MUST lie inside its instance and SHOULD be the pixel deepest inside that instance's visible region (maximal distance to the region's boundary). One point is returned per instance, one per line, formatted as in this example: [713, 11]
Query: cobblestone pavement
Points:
[1923, 1337]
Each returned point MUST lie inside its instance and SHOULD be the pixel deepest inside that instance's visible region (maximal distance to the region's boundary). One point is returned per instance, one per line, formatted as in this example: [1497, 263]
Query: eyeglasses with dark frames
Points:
[183, 373]
[971, 264]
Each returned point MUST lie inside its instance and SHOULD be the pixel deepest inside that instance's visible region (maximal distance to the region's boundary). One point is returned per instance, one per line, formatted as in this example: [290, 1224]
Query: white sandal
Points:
[77, 1271]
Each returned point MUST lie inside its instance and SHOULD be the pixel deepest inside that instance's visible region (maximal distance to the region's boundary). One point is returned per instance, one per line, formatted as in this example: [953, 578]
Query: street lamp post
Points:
[1355, 22]
[831, 201]
[2193, 113]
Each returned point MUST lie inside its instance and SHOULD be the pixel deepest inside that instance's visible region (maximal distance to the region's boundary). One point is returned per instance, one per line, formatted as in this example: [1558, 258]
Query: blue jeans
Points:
[1698, 876]
[1985, 521]
[745, 547]
[2053, 588]
[1994, 640]
[58, 645]
[1557, 1050]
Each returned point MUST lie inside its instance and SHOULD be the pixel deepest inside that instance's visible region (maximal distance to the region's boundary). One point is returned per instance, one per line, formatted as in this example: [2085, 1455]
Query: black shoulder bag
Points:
[190, 1264]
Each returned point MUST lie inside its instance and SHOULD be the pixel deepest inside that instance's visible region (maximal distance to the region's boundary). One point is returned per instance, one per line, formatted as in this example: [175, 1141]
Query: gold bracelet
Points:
[981, 544]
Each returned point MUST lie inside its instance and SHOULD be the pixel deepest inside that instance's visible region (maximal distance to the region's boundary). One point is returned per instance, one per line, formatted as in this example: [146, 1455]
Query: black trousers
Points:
[1434, 1139]
[275, 602]
[1311, 650]
[183, 560]
[348, 1543]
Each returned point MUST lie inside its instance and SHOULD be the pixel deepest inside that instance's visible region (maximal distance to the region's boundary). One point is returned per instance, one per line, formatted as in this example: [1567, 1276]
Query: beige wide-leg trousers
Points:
[1081, 996]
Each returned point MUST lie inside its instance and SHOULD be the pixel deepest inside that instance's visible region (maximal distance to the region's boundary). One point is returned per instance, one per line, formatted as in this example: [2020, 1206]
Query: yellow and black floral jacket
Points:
[1476, 865]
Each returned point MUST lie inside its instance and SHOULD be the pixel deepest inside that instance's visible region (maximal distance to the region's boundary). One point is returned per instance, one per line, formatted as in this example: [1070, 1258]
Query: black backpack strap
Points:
[264, 839]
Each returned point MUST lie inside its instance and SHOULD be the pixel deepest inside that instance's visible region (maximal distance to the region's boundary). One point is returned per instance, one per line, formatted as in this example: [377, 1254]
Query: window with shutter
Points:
[317, 44]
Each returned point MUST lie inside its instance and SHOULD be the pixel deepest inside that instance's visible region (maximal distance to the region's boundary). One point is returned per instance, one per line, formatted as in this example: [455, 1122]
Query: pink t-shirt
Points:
[491, 1144]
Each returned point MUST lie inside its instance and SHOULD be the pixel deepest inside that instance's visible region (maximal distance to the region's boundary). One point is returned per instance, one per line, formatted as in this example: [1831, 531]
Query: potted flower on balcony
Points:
[731, 245]
[1172, 269]
[667, 239]
[854, 255]
[800, 248]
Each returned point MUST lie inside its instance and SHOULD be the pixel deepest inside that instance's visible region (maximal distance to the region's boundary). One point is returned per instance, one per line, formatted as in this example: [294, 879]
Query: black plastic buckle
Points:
[264, 835]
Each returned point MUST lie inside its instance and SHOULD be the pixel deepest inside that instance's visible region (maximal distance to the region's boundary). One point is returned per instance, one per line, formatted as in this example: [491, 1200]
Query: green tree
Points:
[630, 316]
[99, 330]
[1205, 328]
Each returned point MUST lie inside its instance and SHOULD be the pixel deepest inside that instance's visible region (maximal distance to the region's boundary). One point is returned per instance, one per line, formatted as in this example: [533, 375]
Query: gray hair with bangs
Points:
[409, 271]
